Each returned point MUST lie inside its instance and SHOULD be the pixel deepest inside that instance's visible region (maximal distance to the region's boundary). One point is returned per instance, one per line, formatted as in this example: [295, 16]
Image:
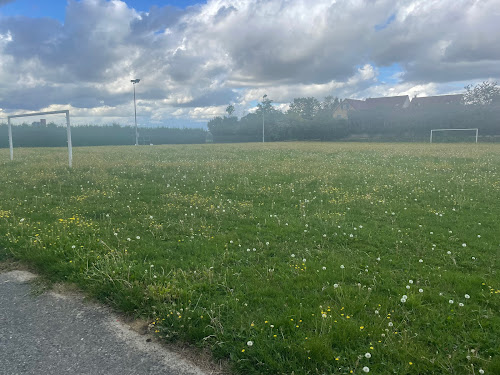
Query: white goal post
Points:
[442, 130]
[68, 129]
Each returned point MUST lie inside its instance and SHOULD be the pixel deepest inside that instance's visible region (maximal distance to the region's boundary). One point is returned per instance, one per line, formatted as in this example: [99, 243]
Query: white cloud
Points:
[194, 62]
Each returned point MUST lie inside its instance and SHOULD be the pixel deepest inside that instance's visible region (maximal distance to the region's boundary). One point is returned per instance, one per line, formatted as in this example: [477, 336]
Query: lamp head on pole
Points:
[134, 81]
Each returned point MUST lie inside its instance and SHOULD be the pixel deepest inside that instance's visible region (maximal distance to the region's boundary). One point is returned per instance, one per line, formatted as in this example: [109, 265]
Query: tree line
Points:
[52, 135]
[309, 119]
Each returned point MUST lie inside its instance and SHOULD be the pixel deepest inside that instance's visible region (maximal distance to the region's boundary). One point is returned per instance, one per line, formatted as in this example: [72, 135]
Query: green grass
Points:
[303, 249]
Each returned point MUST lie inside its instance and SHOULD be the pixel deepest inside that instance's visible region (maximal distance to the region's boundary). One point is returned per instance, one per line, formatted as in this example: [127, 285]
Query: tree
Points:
[230, 109]
[306, 108]
[329, 103]
[265, 105]
[482, 94]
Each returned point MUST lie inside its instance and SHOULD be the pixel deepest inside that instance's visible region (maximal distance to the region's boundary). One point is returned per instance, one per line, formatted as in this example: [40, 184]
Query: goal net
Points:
[471, 132]
[68, 130]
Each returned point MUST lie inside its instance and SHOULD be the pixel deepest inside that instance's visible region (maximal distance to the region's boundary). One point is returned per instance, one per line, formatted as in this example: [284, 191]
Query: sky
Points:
[194, 58]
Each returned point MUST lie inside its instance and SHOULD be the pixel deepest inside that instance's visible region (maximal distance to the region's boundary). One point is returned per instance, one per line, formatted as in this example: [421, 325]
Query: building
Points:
[385, 103]
[437, 101]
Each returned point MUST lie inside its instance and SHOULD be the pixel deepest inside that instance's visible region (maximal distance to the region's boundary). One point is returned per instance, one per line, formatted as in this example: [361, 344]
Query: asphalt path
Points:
[51, 333]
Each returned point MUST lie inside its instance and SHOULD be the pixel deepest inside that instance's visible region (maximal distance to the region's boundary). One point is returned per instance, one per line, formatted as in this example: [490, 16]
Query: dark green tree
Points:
[230, 110]
[306, 108]
[482, 94]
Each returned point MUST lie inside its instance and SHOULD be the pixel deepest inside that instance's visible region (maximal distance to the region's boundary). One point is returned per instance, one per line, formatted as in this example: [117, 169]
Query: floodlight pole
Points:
[134, 81]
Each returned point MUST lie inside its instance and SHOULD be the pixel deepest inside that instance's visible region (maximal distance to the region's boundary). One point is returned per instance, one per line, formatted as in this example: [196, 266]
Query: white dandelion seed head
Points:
[464, 245]
[467, 296]
[293, 255]
[390, 324]
[324, 268]
[366, 369]
[451, 301]
[368, 355]
[138, 237]
[481, 371]
[420, 290]
[249, 343]
[335, 285]
[410, 281]
[342, 266]
[304, 260]
[461, 304]
[407, 287]
[421, 261]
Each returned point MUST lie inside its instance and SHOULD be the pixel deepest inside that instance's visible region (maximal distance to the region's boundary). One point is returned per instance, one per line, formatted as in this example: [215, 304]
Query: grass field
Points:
[296, 258]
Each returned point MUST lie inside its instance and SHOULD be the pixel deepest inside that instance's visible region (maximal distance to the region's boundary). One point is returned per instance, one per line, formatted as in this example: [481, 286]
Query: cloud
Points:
[193, 62]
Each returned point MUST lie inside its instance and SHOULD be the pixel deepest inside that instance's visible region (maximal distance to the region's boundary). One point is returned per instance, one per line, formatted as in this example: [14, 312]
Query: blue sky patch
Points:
[386, 23]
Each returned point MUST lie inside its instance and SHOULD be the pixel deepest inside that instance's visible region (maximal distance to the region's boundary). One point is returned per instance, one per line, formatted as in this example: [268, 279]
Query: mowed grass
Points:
[293, 258]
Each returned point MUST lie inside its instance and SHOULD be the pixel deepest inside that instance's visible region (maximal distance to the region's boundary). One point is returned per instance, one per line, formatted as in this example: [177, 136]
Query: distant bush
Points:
[92, 135]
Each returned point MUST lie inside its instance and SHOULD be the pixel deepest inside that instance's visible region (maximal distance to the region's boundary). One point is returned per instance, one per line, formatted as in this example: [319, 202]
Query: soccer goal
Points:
[445, 130]
[68, 128]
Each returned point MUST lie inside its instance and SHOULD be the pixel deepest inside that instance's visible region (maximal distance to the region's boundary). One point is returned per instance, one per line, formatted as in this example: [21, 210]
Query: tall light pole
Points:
[265, 96]
[134, 81]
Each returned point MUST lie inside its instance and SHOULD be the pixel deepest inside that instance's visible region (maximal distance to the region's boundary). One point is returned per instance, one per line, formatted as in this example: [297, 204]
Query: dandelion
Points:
[467, 296]
[267, 243]
[324, 268]
[407, 287]
[451, 301]
[129, 239]
[410, 281]
[366, 369]
[249, 343]
[293, 255]
[448, 252]
[464, 245]
[342, 266]
[390, 324]
[481, 371]
[335, 286]
[420, 290]
[73, 246]
[138, 237]
[421, 261]
[304, 260]
[368, 355]
[461, 304]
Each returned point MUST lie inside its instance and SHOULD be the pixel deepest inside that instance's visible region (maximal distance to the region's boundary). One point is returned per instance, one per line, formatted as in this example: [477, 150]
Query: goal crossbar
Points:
[68, 130]
[441, 130]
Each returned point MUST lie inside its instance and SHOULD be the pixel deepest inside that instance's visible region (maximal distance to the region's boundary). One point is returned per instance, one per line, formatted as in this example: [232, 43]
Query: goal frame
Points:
[68, 131]
[441, 130]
